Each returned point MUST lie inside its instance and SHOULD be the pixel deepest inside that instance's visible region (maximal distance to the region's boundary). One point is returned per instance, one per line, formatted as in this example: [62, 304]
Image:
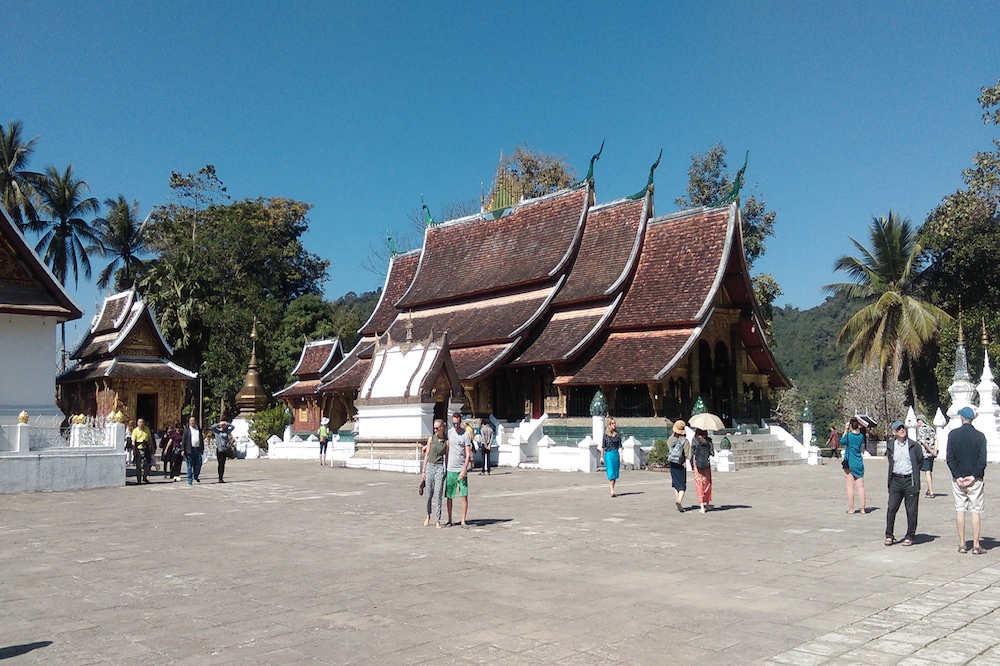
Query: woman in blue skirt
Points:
[612, 447]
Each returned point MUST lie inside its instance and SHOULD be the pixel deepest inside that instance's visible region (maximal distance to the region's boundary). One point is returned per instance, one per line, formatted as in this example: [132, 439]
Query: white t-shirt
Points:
[457, 441]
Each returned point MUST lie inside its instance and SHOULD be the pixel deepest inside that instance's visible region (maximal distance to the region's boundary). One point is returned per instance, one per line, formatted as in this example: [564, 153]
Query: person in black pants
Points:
[223, 443]
[905, 457]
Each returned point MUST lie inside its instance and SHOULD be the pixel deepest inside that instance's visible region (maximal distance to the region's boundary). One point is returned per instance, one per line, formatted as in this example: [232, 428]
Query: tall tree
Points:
[63, 225]
[122, 239]
[708, 181]
[895, 322]
[17, 184]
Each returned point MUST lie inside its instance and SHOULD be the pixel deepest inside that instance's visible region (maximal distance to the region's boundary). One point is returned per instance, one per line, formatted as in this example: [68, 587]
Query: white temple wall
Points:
[28, 369]
[395, 421]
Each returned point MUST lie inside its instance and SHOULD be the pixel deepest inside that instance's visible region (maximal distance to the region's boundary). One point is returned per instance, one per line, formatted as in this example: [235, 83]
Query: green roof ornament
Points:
[590, 171]
[598, 406]
[699, 407]
[734, 193]
[392, 245]
[428, 219]
[649, 183]
[725, 445]
[807, 414]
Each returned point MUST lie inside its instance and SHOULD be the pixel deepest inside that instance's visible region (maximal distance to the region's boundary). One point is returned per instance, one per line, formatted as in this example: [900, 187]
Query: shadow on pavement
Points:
[482, 522]
[727, 507]
[17, 650]
[634, 492]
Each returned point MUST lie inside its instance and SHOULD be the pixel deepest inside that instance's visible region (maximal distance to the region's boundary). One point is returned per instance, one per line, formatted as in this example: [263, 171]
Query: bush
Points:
[269, 422]
[658, 456]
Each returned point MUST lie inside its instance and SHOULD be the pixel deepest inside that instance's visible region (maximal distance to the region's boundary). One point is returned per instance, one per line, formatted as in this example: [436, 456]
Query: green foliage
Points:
[658, 456]
[121, 238]
[989, 97]
[264, 424]
[537, 173]
[806, 349]
[895, 321]
[17, 184]
[62, 223]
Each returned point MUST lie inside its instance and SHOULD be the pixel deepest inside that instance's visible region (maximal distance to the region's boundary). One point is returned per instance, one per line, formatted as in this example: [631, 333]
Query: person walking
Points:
[142, 441]
[223, 433]
[927, 438]
[435, 457]
[966, 459]
[324, 438]
[612, 447]
[459, 459]
[853, 443]
[486, 432]
[678, 452]
[905, 457]
[174, 453]
[701, 464]
[193, 445]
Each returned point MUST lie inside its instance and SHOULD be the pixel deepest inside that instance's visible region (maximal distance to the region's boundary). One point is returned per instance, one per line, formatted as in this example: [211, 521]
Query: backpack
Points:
[676, 454]
[702, 455]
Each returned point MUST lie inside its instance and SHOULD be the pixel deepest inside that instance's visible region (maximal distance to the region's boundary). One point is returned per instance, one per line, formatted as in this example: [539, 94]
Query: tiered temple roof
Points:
[317, 359]
[602, 294]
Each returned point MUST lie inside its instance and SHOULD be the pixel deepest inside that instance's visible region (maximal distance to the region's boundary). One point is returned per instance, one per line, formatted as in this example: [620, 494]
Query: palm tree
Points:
[17, 184]
[896, 323]
[122, 238]
[62, 225]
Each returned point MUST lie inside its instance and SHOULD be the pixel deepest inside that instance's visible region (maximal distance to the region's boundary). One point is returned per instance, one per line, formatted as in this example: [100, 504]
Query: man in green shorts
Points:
[459, 456]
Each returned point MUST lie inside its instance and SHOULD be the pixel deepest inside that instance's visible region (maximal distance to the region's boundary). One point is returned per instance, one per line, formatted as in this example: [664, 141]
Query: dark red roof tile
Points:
[475, 256]
[472, 361]
[682, 254]
[401, 271]
[299, 389]
[631, 358]
[560, 336]
[607, 249]
[317, 358]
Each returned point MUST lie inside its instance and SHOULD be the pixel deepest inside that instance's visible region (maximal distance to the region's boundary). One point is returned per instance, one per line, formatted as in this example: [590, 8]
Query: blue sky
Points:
[848, 109]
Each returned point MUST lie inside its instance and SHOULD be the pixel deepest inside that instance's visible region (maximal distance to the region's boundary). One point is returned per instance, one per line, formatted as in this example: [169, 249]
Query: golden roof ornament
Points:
[22, 417]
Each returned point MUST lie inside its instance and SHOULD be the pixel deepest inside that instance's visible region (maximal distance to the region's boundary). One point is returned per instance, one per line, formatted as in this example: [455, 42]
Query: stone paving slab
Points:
[292, 563]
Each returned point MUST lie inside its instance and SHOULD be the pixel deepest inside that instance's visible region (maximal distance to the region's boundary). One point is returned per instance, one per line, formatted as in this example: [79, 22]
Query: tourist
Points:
[174, 453]
[833, 443]
[324, 437]
[612, 446]
[486, 432]
[927, 438]
[701, 464]
[435, 455]
[854, 463]
[966, 459]
[142, 441]
[223, 433]
[678, 452]
[193, 444]
[459, 458]
[905, 457]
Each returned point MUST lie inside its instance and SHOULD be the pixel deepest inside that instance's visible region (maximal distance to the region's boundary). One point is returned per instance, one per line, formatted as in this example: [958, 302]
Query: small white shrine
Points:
[965, 394]
[408, 385]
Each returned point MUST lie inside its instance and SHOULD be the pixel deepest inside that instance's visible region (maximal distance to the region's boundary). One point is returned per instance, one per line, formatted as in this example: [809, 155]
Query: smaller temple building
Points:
[302, 397]
[125, 362]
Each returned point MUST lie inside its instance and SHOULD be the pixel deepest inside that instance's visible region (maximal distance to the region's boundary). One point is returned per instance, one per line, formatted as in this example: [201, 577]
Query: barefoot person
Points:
[459, 458]
[853, 442]
[701, 464]
[435, 456]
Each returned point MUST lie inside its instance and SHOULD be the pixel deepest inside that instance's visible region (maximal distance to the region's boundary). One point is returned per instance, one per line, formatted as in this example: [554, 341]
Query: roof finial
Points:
[392, 245]
[986, 340]
[734, 193]
[590, 170]
[649, 182]
[428, 219]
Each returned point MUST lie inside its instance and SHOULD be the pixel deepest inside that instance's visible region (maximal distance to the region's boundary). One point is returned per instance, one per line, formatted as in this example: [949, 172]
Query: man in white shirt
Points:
[193, 447]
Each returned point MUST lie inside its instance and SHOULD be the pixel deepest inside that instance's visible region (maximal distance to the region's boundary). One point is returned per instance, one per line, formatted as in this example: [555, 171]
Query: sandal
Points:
[906, 542]
[978, 550]
[889, 541]
[962, 549]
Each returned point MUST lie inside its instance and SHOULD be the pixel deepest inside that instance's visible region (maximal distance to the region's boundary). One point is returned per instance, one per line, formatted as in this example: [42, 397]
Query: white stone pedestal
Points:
[724, 461]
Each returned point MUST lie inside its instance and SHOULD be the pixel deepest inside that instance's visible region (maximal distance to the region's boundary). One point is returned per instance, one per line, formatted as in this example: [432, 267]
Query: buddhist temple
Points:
[124, 360]
[32, 304]
[548, 299]
[302, 397]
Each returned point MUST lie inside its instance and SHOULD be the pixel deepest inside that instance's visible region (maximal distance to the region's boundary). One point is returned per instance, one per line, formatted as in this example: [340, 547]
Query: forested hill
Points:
[805, 347]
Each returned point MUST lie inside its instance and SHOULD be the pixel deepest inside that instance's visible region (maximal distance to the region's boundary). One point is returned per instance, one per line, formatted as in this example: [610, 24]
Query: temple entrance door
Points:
[537, 398]
[145, 408]
[441, 411]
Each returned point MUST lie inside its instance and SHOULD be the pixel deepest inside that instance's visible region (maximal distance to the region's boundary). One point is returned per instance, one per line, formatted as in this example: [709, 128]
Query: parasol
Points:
[706, 421]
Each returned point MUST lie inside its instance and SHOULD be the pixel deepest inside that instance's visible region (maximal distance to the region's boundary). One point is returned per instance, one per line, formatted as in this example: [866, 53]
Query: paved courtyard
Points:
[291, 563]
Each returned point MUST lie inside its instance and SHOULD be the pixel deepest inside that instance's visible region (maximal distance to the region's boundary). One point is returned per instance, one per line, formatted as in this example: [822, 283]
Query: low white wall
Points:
[395, 421]
[386, 465]
[76, 468]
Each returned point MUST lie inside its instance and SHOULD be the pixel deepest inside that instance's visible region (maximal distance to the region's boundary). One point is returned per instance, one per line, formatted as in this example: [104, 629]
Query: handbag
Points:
[420, 490]
[231, 452]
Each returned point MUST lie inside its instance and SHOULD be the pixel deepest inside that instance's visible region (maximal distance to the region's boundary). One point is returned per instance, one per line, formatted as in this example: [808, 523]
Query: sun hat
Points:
[967, 413]
[679, 427]
[922, 417]
[324, 421]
